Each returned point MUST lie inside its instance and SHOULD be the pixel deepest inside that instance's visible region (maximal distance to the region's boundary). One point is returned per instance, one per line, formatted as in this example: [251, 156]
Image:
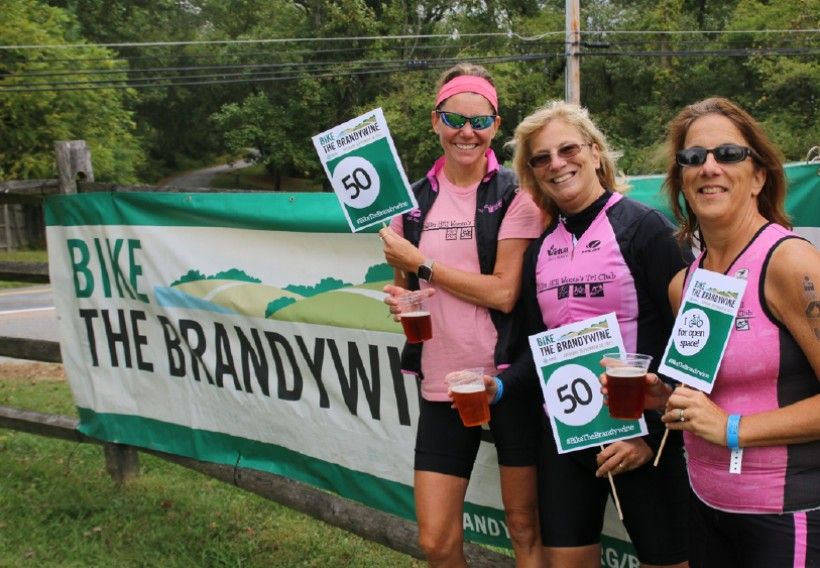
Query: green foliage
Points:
[230, 274]
[234, 274]
[379, 273]
[325, 285]
[278, 304]
[33, 120]
[266, 100]
[190, 276]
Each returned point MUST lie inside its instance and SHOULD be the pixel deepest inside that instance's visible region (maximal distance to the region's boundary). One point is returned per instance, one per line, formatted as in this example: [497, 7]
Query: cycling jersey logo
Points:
[592, 246]
[742, 274]
[579, 291]
[743, 322]
[554, 250]
[563, 291]
[596, 290]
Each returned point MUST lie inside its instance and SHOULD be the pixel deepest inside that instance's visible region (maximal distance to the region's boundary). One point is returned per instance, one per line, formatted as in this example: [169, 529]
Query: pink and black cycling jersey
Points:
[763, 369]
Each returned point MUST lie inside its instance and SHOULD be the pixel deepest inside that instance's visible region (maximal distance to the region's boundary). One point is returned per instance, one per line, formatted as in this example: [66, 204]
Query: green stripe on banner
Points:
[388, 496]
[321, 213]
[304, 212]
[482, 524]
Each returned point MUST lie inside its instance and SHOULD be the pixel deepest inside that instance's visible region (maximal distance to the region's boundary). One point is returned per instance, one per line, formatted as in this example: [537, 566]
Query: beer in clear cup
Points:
[414, 316]
[469, 395]
[626, 384]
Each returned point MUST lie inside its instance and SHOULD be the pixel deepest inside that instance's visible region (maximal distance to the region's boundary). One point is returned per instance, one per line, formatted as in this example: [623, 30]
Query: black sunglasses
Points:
[724, 154]
[455, 120]
[565, 152]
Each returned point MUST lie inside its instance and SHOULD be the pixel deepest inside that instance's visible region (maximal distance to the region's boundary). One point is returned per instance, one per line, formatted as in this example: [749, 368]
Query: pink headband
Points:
[468, 84]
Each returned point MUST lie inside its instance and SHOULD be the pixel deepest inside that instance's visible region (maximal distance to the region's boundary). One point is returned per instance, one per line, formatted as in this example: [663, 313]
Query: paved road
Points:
[203, 177]
[28, 312]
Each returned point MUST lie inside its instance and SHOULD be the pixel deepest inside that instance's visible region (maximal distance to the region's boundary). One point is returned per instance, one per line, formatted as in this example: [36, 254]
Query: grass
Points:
[58, 507]
[256, 177]
[36, 255]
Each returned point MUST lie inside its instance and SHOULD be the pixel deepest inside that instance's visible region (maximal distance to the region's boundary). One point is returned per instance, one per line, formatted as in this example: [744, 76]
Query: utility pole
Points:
[572, 74]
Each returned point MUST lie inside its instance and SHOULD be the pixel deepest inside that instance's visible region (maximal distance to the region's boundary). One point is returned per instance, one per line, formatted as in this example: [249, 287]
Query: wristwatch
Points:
[425, 270]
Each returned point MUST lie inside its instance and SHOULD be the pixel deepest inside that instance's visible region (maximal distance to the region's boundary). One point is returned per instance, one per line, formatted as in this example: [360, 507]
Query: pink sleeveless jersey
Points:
[579, 280]
[762, 369]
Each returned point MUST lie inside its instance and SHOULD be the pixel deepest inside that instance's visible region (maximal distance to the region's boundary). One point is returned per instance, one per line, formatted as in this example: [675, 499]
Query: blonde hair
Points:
[576, 116]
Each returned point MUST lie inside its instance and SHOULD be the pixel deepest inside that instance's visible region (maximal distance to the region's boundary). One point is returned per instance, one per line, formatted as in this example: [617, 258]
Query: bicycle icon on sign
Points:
[694, 321]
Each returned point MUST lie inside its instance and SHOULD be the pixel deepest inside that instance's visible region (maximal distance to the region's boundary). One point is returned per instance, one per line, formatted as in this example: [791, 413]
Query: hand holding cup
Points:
[626, 384]
[468, 390]
[414, 315]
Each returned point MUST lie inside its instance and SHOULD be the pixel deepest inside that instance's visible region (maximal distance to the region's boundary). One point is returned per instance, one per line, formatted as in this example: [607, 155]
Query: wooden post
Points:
[73, 163]
[121, 462]
[572, 73]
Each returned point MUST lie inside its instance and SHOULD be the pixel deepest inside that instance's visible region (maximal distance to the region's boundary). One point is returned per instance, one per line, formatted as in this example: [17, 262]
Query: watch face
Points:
[425, 272]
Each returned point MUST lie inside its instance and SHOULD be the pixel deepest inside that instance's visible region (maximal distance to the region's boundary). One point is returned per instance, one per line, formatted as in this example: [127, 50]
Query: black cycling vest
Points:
[494, 195]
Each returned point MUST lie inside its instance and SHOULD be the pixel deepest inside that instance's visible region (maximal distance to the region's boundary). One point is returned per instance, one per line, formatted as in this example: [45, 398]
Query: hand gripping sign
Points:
[702, 327]
[361, 162]
[567, 359]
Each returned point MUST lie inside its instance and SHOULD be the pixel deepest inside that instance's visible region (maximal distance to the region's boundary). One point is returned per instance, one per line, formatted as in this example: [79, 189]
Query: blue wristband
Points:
[499, 390]
[732, 430]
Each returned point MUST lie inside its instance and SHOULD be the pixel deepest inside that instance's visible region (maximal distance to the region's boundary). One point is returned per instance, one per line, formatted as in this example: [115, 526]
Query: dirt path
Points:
[33, 371]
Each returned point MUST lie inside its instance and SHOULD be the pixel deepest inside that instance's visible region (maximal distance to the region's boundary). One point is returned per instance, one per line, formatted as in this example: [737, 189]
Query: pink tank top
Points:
[762, 369]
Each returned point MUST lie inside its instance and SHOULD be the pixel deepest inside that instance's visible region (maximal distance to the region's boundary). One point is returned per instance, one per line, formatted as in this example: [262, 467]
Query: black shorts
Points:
[653, 499]
[728, 540]
[445, 445]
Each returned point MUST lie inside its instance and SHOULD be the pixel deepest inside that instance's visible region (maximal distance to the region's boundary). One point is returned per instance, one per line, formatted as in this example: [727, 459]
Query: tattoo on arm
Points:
[812, 305]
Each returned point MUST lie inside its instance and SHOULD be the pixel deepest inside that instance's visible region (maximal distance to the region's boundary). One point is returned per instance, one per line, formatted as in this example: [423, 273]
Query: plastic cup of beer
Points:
[626, 383]
[414, 316]
[469, 395]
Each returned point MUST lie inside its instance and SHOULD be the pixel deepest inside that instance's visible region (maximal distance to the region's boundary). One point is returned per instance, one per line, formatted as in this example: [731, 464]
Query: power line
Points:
[413, 65]
[381, 67]
[598, 47]
[453, 35]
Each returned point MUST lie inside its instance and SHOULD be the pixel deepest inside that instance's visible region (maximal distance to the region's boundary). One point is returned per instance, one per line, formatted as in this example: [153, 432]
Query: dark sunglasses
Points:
[565, 152]
[724, 154]
[455, 120]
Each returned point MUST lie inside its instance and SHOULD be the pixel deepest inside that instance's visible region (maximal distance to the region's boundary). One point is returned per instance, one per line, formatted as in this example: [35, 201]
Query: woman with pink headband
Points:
[466, 240]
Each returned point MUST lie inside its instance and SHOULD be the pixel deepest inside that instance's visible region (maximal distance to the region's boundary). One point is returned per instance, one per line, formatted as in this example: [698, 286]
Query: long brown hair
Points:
[770, 201]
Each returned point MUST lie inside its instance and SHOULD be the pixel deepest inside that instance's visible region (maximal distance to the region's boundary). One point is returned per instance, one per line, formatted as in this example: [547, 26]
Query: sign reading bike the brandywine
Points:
[363, 167]
[568, 361]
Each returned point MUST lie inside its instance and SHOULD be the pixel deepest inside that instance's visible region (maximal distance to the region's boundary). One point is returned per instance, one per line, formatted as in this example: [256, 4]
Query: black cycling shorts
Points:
[728, 540]
[445, 445]
[654, 500]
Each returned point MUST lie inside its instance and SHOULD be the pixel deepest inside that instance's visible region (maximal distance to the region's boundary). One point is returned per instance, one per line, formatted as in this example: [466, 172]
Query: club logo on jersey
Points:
[563, 291]
[742, 274]
[557, 251]
[592, 246]
[743, 321]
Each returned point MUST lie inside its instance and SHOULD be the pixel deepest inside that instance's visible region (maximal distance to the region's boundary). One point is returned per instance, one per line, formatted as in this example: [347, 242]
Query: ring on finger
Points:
[621, 465]
[681, 416]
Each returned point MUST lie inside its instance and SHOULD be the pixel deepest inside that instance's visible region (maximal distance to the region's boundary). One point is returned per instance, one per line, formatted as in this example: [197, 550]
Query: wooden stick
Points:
[660, 448]
[665, 435]
[614, 493]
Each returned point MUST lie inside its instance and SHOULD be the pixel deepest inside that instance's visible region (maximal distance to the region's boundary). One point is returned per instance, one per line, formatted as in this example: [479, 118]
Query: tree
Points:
[34, 119]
